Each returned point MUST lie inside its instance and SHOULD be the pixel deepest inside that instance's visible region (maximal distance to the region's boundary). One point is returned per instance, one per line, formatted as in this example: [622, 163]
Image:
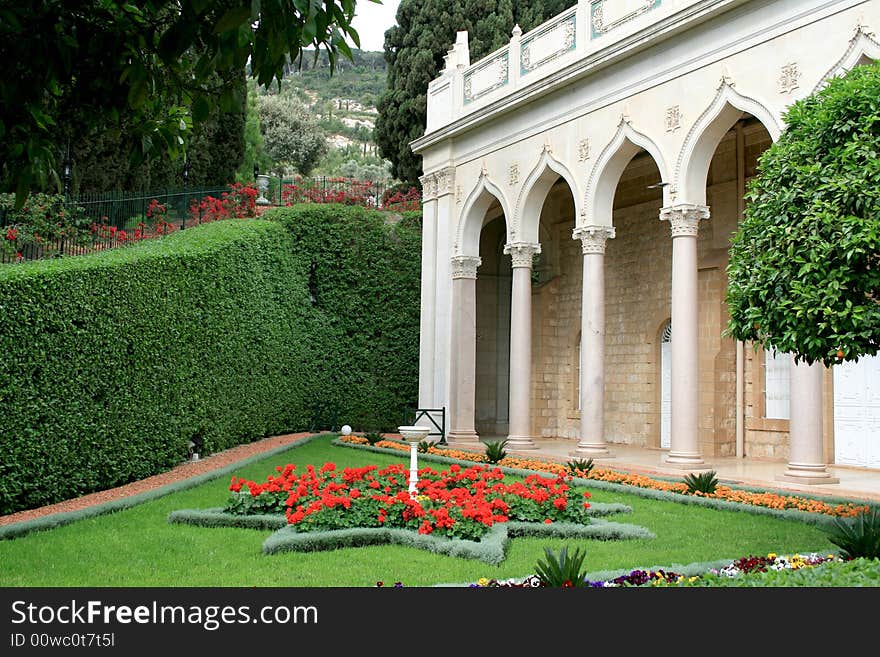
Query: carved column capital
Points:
[445, 181]
[429, 187]
[465, 266]
[522, 252]
[593, 238]
[684, 218]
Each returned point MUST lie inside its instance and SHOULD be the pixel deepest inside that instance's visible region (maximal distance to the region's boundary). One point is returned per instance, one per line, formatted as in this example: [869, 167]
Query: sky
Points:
[371, 20]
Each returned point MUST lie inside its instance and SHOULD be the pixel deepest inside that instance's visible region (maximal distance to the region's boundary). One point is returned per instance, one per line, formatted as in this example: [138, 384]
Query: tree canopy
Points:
[151, 65]
[804, 269]
[291, 136]
[414, 50]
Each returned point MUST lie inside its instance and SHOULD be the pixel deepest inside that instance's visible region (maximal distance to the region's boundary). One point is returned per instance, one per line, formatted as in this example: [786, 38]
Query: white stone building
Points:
[581, 187]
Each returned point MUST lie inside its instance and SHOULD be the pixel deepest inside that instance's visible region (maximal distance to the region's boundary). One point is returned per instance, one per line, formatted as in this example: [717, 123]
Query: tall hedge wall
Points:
[112, 363]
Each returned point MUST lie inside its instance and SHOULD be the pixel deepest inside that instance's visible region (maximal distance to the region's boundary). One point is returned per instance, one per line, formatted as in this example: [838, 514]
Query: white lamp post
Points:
[413, 435]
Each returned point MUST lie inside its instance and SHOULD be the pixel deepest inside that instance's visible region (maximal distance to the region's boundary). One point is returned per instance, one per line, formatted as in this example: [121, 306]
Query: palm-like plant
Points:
[701, 482]
[578, 467]
[857, 537]
[561, 570]
[373, 437]
[495, 451]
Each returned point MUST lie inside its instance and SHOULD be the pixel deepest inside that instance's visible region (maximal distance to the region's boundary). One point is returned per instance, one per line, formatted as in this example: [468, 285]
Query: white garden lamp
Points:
[413, 435]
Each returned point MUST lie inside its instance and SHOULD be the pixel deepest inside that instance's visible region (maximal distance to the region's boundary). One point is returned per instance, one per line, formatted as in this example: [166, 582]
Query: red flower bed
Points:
[456, 503]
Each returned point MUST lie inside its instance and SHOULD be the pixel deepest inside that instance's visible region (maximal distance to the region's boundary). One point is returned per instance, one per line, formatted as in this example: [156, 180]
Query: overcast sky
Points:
[371, 20]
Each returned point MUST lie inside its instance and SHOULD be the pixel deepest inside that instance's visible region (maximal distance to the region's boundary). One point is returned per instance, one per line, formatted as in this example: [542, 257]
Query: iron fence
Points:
[327, 189]
[111, 219]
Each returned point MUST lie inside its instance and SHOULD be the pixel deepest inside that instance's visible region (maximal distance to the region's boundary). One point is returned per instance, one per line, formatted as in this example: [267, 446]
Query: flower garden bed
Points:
[741, 497]
[465, 512]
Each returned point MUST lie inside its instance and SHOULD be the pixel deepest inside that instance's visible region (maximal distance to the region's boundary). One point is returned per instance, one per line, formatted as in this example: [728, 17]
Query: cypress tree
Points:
[414, 51]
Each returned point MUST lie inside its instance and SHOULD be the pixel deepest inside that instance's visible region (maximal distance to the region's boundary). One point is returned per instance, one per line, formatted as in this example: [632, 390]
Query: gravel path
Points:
[183, 471]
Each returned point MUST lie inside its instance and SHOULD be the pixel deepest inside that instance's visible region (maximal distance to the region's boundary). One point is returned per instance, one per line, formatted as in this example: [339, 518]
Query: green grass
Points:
[138, 547]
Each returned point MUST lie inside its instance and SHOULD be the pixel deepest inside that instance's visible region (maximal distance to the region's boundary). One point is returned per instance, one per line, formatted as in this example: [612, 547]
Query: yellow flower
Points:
[482, 582]
[772, 555]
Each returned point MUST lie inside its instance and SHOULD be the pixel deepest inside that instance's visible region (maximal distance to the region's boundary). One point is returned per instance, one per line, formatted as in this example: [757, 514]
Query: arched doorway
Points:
[493, 330]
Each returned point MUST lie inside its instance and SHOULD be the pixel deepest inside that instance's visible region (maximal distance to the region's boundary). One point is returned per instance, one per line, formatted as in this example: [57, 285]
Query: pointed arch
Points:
[699, 146]
[527, 213]
[602, 185]
[473, 216]
[863, 45]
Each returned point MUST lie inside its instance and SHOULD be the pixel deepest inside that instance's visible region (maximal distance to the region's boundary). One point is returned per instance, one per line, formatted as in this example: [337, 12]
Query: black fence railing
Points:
[125, 210]
[327, 189]
[108, 220]
[435, 418]
[105, 220]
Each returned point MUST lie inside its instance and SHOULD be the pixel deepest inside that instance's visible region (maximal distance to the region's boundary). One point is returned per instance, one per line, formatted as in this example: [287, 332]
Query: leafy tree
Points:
[291, 136]
[414, 51]
[804, 269]
[102, 62]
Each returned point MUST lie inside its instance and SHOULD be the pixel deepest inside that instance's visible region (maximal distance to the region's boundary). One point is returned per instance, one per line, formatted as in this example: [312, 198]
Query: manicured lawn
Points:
[138, 547]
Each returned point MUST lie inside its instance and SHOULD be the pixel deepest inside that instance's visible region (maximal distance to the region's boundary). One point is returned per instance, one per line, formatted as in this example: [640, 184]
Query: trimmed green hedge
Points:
[491, 548]
[365, 272]
[113, 362]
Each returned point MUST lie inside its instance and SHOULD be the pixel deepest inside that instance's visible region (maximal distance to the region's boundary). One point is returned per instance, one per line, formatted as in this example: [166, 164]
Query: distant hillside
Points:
[345, 104]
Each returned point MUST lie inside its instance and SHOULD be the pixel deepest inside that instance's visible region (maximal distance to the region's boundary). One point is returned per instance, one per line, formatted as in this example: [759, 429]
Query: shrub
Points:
[701, 482]
[563, 570]
[857, 537]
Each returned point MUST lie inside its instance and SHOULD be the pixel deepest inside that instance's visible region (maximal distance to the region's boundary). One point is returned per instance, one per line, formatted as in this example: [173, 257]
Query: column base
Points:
[464, 439]
[520, 442]
[802, 473]
[592, 449]
[685, 461]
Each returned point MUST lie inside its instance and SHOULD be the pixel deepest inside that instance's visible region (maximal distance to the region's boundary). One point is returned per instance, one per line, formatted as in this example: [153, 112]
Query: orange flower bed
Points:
[769, 500]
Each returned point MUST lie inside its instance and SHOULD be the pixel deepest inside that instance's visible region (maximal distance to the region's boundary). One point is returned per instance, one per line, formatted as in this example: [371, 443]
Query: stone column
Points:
[520, 427]
[462, 392]
[685, 392]
[446, 217]
[427, 306]
[806, 463]
[592, 361]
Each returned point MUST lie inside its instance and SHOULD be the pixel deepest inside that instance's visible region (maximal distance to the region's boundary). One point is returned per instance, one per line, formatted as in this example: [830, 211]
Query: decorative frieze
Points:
[548, 43]
[606, 16]
[593, 238]
[465, 266]
[522, 253]
[684, 219]
[789, 78]
[486, 77]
